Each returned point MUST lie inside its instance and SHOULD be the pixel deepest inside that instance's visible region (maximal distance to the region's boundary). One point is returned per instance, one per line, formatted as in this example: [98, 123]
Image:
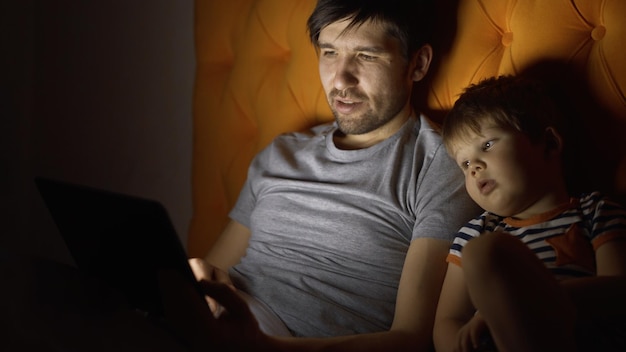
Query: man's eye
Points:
[367, 57]
[328, 53]
[487, 145]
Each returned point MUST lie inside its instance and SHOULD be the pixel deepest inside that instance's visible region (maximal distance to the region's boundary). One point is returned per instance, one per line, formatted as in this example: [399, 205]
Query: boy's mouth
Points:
[485, 186]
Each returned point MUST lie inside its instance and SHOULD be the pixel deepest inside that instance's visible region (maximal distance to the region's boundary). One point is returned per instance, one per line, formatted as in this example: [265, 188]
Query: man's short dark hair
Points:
[409, 21]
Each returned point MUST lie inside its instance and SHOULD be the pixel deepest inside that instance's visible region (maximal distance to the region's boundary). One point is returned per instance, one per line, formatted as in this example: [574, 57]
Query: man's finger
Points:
[226, 297]
[200, 271]
[223, 277]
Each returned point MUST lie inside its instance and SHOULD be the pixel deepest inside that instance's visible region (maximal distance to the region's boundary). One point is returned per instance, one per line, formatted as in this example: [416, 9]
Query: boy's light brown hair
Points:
[509, 102]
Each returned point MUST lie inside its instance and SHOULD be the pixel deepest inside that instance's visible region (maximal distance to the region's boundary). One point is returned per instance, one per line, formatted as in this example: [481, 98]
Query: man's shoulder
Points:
[306, 134]
[428, 138]
[424, 125]
[289, 142]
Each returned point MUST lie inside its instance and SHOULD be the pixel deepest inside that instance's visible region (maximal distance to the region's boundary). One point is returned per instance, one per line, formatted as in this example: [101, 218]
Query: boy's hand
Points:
[473, 336]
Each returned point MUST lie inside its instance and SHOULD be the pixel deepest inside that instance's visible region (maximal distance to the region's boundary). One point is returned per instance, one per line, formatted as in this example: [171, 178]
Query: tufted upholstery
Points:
[257, 77]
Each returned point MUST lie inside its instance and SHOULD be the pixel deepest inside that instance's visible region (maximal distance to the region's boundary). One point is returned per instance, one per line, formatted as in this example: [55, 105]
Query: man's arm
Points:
[230, 247]
[226, 252]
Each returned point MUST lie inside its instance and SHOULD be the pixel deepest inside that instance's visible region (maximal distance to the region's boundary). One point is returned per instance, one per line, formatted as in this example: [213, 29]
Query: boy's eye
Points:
[465, 164]
[487, 145]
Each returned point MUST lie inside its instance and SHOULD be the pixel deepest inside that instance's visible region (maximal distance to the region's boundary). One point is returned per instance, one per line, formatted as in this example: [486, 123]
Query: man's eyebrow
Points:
[369, 49]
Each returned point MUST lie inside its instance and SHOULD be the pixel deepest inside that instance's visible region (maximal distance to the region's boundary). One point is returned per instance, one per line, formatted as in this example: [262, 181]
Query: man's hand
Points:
[204, 271]
[235, 329]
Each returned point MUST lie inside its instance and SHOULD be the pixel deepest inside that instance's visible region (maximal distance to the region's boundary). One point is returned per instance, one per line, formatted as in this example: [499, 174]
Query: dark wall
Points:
[95, 92]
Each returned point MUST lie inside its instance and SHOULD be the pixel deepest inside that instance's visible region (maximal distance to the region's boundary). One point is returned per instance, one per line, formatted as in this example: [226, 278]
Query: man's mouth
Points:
[347, 101]
[346, 106]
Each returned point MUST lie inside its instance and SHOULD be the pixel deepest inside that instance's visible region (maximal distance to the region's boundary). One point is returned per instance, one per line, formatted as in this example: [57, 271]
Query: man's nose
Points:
[345, 75]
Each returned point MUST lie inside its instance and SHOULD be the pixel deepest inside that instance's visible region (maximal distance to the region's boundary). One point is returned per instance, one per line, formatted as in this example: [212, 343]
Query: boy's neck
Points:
[549, 201]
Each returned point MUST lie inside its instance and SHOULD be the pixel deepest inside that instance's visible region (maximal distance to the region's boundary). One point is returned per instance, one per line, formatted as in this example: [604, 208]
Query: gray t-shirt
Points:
[331, 228]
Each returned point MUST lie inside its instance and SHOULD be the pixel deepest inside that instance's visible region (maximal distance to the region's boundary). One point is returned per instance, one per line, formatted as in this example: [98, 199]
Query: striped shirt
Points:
[565, 239]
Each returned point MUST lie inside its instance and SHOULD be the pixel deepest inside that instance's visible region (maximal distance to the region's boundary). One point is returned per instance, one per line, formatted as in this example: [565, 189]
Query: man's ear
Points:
[553, 141]
[421, 62]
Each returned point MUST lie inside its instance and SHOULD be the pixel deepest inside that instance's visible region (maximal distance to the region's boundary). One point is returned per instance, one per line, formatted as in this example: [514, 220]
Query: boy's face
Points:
[505, 173]
[365, 74]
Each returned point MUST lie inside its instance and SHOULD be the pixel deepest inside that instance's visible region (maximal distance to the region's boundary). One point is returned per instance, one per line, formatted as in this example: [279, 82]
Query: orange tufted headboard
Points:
[257, 77]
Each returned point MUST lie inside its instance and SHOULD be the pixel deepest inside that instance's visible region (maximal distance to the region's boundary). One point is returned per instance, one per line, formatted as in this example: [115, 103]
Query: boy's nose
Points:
[476, 167]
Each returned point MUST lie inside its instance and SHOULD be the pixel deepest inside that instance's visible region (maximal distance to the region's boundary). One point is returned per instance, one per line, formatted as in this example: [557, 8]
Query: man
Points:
[341, 233]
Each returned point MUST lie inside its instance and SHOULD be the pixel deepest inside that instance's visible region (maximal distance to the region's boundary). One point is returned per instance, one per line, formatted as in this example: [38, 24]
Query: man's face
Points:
[366, 76]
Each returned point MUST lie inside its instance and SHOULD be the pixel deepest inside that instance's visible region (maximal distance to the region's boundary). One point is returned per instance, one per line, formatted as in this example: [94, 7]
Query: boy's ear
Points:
[553, 141]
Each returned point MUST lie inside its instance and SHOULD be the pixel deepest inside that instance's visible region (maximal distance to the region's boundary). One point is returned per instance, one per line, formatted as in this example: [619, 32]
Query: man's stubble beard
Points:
[362, 124]
[366, 122]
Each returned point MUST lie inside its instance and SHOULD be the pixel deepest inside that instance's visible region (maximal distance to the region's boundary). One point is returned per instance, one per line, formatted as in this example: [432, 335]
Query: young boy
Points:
[539, 270]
